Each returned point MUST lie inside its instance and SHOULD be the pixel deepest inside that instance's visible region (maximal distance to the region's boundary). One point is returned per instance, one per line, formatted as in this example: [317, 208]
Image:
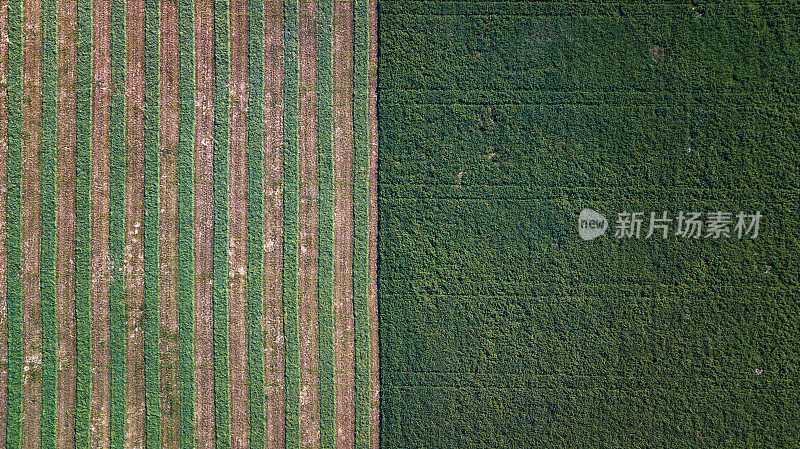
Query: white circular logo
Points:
[591, 224]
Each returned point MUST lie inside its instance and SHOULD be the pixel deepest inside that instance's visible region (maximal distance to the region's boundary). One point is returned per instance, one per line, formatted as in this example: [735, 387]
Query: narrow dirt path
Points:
[100, 263]
[374, 380]
[134, 246]
[308, 219]
[168, 226]
[343, 222]
[237, 237]
[31, 224]
[3, 178]
[204, 223]
[65, 217]
[274, 386]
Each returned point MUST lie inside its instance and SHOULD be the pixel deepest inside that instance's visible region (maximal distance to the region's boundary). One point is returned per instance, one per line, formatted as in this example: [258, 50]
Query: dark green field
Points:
[499, 122]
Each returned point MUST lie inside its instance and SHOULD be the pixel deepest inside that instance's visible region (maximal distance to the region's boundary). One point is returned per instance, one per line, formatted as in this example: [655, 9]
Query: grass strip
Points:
[116, 238]
[361, 221]
[291, 180]
[185, 222]
[255, 229]
[150, 238]
[47, 282]
[83, 210]
[220, 282]
[327, 406]
[14, 225]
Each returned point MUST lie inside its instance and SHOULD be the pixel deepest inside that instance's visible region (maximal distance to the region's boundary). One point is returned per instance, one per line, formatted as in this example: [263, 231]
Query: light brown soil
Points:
[3, 177]
[134, 248]
[237, 247]
[100, 262]
[374, 380]
[31, 224]
[168, 227]
[204, 223]
[308, 219]
[65, 217]
[274, 387]
[343, 222]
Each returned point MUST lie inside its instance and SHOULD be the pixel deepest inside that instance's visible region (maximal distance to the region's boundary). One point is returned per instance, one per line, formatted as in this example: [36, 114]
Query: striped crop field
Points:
[189, 246]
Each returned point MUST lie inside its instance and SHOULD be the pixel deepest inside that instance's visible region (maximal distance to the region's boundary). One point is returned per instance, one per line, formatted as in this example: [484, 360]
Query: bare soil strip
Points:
[274, 387]
[237, 237]
[100, 262]
[134, 247]
[31, 224]
[168, 226]
[343, 335]
[65, 217]
[3, 254]
[204, 223]
[308, 220]
[374, 381]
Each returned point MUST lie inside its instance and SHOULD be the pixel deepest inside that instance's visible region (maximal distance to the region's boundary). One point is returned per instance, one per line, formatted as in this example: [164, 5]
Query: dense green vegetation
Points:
[325, 280]
[291, 199]
[14, 224]
[186, 143]
[48, 220]
[361, 220]
[499, 123]
[220, 284]
[255, 222]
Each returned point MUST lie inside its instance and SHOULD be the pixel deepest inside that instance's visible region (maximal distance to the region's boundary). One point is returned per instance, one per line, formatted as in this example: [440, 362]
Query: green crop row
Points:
[327, 405]
[291, 180]
[361, 221]
[83, 242]
[14, 225]
[255, 227]
[185, 223]
[220, 284]
[116, 238]
[48, 222]
[151, 226]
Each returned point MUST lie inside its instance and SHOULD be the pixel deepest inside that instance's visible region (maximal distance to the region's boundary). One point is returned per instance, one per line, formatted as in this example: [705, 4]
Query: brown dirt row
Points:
[168, 227]
[374, 379]
[65, 217]
[3, 177]
[343, 334]
[274, 388]
[134, 215]
[204, 223]
[308, 220]
[237, 247]
[31, 223]
[100, 261]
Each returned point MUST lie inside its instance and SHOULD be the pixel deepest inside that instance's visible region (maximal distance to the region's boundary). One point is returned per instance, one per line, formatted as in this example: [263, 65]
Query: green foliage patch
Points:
[325, 280]
[48, 223]
[255, 223]
[83, 210]
[221, 197]
[499, 123]
[291, 184]
[14, 225]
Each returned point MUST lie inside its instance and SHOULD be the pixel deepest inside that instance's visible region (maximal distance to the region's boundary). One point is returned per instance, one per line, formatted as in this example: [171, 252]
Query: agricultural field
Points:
[188, 255]
[499, 123]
